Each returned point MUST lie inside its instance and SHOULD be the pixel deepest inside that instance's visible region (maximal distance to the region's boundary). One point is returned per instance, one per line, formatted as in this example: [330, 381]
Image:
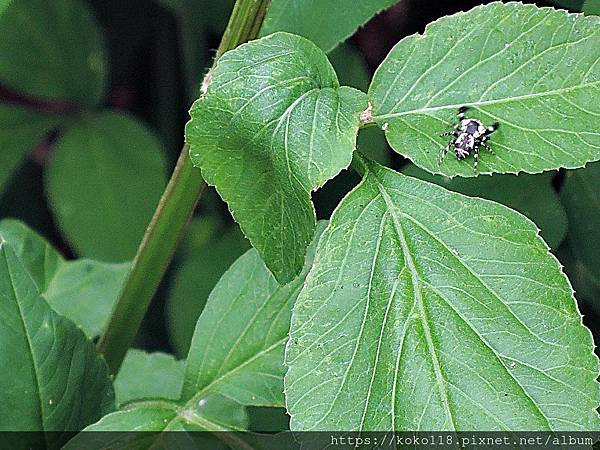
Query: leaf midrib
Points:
[410, 264]
[415, 275]
[392, 115]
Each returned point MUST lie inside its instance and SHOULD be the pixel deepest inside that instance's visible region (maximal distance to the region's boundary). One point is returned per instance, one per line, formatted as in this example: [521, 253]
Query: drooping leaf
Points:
[273, 126]
[581, 199]
[40, 56]
[532, 70]
[57, 380]
[83, 290]
[531, 195]
[148, 375]
[195, 277]
[104, 181]
[237, 348]
[20, 130]
[429, 310]
[326, 23]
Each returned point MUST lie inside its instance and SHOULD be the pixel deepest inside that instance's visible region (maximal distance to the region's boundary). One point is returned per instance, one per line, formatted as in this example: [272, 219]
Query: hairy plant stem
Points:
[171, 216]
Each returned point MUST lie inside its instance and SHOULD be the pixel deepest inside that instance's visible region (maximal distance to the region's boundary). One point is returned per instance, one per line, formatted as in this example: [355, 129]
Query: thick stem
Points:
[171, 217]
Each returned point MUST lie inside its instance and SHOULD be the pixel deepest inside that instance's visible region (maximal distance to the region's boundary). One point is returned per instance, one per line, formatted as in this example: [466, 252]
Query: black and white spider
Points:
[469, 135]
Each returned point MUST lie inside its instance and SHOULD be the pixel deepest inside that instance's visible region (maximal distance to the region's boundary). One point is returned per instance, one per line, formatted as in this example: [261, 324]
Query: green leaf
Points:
[57, 380]
[581, 199]
[148, 375]
[237, 348]
[532, 70]
[429, 310]
[41, 58]
[195, 277]
[531, 195]
[36, 254]
[326, 23]
[104, 181]
[84, 291]
[20, 130]
[274, 126]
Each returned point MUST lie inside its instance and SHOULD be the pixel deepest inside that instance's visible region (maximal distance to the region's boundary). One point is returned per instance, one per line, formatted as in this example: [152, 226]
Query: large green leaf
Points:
[104, 181]
[148, 375]
[237, 348]
[429, 310]
[532, 70]
[531, 195]
[20, 130]
[581, 198]
[54, 379]
[274, 126]
[195, 277]
[52, 50]
[326, 23]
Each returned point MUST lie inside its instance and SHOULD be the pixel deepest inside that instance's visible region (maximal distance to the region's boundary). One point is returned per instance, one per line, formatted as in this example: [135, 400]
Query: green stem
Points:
[171, 216]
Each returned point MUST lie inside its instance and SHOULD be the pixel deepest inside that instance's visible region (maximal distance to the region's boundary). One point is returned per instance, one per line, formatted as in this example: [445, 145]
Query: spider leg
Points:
[475, 158]
[450, 133]
[488, 148]
[492, 128]
[443, 152]
[461, 112]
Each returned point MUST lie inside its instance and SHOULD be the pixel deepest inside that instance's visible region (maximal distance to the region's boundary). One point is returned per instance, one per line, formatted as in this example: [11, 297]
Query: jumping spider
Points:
[469, 135]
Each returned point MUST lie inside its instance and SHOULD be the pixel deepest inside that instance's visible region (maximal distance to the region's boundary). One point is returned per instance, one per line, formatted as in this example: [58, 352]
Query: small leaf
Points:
[195, 277]
[84, 291]
[531, 195]
[148, 375]
[428, 310]
[273, 126]
[20, 130]
[40, 56]
[581, 198]
[237, 348]
[326, 23]
[57, 380]
[104, 181]
[532, 70]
